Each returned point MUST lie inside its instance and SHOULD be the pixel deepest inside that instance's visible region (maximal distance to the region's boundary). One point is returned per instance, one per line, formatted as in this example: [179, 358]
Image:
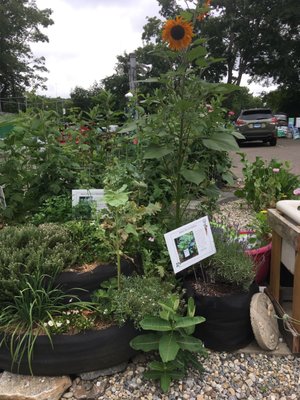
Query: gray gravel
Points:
[228, 376]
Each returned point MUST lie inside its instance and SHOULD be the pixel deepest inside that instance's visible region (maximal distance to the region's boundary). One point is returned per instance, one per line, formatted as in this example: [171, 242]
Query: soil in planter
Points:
[227, 312]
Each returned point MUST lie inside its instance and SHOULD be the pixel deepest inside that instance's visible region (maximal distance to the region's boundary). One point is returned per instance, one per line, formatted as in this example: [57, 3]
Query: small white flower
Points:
[50, 323]
[58, 324]
[67, 321]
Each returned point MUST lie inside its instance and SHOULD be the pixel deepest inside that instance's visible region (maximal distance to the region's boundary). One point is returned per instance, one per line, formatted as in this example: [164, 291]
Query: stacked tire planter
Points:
[228, 325]
[83, 352]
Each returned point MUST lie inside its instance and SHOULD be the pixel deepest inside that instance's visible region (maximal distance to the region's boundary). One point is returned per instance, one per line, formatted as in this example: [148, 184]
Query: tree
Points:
[20, 23]
[259, 38]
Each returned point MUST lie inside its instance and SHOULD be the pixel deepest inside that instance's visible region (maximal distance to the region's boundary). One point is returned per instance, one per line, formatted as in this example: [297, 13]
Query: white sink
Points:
[290, 208]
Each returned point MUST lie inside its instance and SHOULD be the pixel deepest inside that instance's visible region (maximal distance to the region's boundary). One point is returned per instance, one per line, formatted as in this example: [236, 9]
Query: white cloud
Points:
[86, 37]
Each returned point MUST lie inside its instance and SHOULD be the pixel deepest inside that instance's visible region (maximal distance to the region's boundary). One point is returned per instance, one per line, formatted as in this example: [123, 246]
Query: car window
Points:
[256, 114]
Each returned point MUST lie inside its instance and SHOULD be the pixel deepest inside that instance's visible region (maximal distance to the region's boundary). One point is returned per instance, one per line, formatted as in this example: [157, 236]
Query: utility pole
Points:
[132, 72]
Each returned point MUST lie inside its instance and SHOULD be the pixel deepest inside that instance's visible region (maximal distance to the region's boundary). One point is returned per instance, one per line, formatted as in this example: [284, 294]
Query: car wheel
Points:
[273, 142]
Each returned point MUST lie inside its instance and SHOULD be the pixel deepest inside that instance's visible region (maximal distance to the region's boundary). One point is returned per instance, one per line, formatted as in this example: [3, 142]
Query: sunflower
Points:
[178, 33]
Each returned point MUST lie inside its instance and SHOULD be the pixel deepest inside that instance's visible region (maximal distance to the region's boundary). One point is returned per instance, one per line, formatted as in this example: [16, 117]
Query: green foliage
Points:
[123, 222]
[173, 339]
[48, 248]
[54, 209]
[27, 314]
[265, 183]
[139, 297]
[35, 166]
[88, 236]
[21, 24]
[230, 264]
[262, 230]
[185, 133]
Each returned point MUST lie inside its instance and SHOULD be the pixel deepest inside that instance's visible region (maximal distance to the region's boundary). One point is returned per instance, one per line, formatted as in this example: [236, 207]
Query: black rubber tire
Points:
[74, 354]
[273, 142]
[73, 282]
[227, 326]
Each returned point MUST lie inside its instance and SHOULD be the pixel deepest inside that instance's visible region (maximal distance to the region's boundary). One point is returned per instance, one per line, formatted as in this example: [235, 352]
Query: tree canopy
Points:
[20, 25]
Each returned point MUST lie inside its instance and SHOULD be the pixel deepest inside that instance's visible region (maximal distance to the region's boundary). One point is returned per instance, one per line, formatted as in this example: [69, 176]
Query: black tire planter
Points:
[72, 282]
[74, 354]
[227, 326]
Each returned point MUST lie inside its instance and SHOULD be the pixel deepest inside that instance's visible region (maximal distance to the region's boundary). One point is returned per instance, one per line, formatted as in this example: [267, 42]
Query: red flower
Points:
[135, 140]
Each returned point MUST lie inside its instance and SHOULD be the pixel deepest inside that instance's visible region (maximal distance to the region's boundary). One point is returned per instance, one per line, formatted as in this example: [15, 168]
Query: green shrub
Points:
[265, 183]
[25, 249]
[230, 264]
[139, 296]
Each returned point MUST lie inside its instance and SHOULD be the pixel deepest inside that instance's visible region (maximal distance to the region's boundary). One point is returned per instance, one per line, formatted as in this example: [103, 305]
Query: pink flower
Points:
[135, 140]
[276, 170]
[231, 113]
[297, 192]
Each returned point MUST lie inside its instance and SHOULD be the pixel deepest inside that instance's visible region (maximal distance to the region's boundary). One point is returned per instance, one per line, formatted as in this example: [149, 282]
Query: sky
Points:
[86, 38]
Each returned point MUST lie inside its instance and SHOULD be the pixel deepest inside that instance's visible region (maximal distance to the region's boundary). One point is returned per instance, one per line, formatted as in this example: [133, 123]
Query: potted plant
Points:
[222, 287]
[258, 245]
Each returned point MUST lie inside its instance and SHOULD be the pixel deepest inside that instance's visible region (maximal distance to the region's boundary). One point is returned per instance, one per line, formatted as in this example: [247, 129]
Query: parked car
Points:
[257, 124]
[282, 119]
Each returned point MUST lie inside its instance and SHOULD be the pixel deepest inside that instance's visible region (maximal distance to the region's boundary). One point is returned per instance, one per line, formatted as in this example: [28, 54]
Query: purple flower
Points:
[297, 192]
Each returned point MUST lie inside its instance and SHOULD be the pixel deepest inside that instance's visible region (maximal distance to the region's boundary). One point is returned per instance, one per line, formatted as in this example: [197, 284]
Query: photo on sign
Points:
[186, 246]
[190, 244]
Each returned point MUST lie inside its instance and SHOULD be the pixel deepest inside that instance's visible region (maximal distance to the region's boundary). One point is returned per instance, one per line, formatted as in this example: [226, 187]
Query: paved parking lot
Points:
[286, 150]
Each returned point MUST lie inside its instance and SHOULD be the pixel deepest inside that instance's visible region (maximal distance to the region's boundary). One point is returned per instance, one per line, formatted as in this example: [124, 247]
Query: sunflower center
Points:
[177, 32]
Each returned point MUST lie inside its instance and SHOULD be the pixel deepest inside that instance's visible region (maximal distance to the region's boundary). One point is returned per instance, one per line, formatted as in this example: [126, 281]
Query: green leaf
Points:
[193, 176]
[187, 15]
[221, 142]
[165, 381]
[196, 52]
[157, 366]
[132, 126]
[156, 151]
[168, 347]
[186, 322]
[147, 342]
[131, 229]
[116, 199]
[155, 324]
[190, 343]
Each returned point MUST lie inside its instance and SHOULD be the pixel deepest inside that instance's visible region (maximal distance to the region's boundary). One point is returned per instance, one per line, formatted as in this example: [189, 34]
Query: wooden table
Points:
[285, 232]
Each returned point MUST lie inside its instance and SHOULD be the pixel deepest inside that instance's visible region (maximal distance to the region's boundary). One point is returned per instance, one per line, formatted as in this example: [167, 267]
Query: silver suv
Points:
[257, 124]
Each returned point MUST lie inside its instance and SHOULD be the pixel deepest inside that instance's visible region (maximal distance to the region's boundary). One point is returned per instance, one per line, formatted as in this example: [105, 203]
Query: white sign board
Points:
[297, 122]
[91, 195]
[190, 244]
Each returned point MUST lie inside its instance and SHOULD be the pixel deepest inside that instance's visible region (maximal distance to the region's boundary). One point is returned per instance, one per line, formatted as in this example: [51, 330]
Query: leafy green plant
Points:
[54, 209]
[26, 249]
[181, 129]
[265, 183]
[173, 341]
[262, 231]
[230, 264]
[27, 314]
[124, 220]
[139, 297]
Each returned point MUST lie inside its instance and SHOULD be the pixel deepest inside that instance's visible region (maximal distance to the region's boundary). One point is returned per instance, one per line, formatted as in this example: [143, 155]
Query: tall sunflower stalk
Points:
[184, 134]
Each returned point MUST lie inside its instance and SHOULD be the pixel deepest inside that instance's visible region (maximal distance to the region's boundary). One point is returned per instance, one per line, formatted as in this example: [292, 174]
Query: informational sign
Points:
[291, 121]
[190, 244]
[297, 123]
[90, 195]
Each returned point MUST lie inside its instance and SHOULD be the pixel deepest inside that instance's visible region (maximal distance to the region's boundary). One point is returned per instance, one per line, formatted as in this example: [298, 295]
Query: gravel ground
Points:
[228, 376]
